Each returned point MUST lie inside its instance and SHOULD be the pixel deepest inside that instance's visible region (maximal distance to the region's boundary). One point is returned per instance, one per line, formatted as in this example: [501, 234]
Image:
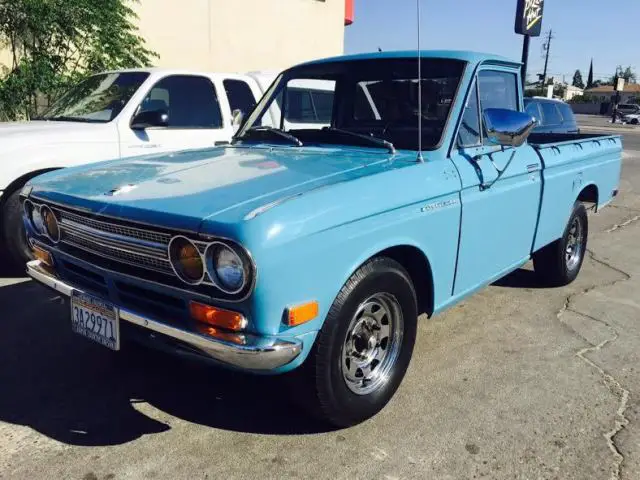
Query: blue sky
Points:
[582, 29]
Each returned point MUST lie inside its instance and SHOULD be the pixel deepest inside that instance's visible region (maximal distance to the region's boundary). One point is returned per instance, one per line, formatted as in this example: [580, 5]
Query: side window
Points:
[532, 109]
[498, 90]
[190, 101]
[240, 95]
[308, 101]
[550, 114]
[469, 133]
[567, 113]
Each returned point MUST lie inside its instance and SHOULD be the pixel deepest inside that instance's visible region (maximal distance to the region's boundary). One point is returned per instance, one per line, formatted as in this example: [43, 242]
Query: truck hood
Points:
[182, 189]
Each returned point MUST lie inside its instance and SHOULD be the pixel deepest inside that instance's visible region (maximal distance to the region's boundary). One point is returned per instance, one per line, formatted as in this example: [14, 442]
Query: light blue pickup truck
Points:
[313, 251]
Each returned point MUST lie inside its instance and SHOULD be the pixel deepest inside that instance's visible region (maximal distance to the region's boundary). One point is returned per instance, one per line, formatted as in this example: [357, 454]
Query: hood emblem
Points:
[121, 190]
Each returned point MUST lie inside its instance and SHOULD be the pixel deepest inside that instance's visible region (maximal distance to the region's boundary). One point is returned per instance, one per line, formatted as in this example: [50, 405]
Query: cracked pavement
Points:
[516, 382]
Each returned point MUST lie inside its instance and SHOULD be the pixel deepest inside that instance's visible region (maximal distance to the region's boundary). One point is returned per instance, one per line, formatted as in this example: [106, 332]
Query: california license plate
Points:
[95, 319]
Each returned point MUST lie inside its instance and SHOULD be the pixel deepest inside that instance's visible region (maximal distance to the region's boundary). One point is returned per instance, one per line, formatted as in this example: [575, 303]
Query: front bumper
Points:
[257, 354]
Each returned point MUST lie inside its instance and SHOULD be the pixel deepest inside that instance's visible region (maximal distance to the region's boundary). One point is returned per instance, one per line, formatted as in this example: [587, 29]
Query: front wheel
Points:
[14, 237]
[363, 350]
[559, 263]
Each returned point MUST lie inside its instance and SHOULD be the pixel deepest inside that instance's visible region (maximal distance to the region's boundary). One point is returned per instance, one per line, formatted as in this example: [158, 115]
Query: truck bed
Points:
[544, 139]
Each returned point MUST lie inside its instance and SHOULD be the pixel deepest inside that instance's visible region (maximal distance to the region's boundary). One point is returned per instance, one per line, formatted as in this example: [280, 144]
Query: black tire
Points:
[552, 263]
[14, 238]
[325, 391]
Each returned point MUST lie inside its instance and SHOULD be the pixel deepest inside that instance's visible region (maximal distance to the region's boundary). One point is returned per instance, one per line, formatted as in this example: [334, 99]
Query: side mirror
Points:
[236, 118]
[150, 118]
[507, 128]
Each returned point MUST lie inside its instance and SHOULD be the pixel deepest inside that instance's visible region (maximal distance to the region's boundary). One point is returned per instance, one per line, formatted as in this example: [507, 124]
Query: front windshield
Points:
[99, 98]
[352, 102]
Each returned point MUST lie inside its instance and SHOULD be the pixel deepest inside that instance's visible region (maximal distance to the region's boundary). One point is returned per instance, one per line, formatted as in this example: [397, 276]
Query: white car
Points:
[129, 113]
[633, 118]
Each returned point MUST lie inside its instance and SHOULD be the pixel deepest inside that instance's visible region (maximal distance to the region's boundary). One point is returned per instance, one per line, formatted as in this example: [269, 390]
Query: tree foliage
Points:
[577, 79]
[53, 43]
[627, 73]
[590, 76]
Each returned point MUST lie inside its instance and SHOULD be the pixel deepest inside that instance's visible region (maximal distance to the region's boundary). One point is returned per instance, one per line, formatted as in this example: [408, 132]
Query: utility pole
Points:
[546, 47]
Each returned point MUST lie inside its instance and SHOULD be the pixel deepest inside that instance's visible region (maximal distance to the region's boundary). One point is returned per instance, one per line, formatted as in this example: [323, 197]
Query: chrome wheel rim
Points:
[372, 344]
[575, 244]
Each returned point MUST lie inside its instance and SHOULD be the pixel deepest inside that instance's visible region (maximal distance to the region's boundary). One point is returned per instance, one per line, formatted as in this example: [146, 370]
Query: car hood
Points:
[180, 190]
[15, 134]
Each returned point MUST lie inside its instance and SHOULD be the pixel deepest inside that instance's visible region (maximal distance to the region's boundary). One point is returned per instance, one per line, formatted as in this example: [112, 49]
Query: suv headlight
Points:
[227, 267]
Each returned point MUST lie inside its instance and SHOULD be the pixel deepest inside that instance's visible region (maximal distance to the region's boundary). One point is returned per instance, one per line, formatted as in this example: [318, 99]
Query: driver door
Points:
[499, 222]
[195, 117]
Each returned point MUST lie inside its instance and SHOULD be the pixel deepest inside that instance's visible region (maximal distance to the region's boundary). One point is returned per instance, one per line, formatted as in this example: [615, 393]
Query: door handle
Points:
[220, 143]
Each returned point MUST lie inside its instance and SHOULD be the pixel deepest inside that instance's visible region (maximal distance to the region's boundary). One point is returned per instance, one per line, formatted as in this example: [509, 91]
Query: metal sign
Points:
[619, 87]
[529, 17]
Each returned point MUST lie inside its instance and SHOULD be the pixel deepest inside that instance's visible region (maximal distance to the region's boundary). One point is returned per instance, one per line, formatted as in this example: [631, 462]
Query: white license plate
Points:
[95, 319]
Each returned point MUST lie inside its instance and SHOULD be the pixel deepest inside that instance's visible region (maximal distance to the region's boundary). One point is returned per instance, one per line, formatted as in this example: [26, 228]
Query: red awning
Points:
[348, 12]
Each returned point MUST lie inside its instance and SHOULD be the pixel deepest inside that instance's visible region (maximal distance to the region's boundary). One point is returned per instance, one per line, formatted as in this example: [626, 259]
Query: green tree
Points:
[54, 43]
[577, 79]
[627, 73]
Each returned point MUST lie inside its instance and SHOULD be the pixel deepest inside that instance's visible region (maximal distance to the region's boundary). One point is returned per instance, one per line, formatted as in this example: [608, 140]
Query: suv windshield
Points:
[99, 98]
[375, 98]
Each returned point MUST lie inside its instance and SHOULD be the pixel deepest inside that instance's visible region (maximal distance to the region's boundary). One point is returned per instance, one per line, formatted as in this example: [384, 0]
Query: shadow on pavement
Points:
[521, 278]
[79, 393]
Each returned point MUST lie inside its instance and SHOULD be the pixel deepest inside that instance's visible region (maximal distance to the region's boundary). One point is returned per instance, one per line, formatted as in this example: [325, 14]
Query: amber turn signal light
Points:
[303, 313]
[42, 255]
[217, 317]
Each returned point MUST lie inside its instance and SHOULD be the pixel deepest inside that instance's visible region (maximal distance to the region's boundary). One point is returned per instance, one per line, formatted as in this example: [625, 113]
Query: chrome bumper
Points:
[258, 353]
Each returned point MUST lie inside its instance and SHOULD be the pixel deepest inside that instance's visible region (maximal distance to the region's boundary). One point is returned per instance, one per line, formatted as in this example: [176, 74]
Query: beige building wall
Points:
[238, 35]
[241, 35]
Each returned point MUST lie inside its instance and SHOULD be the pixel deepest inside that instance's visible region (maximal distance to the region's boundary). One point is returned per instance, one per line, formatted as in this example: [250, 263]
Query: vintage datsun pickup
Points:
[313, 251]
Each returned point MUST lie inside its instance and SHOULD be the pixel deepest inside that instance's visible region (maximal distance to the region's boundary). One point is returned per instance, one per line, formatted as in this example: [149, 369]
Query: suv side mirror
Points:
[236, 118]
[150, 118]
[507, 128]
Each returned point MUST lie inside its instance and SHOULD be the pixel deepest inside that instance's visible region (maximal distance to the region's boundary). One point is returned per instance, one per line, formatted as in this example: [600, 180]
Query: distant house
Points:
[603, 94]
[571, 91]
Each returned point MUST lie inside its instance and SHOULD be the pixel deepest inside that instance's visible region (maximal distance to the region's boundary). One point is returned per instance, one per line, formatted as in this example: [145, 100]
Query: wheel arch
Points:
[590, 195]
[416, 263]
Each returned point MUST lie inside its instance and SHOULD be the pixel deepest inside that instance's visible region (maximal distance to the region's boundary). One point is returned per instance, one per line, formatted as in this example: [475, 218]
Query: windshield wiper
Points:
[378, 142]
[278, 132]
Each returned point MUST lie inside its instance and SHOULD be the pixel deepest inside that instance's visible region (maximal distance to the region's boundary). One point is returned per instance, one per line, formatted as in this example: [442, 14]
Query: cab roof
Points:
[463, 55]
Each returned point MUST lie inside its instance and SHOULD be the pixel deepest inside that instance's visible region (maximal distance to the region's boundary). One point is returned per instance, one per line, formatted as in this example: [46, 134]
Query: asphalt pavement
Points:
[519, 381]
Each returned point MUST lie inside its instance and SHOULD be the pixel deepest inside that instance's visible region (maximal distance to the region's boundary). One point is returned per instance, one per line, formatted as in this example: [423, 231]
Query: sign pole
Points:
[525, 59]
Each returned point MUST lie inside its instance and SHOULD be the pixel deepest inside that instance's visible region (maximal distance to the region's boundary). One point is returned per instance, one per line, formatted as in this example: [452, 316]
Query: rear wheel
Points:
[559, 263]
[363, 350]
[14, 236]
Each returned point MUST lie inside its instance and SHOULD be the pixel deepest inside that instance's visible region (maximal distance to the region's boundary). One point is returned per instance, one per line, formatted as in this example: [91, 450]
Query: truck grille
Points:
[132, 245]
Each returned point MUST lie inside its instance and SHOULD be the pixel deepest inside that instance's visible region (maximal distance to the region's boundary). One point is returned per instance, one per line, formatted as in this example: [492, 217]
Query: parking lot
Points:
[516, 382]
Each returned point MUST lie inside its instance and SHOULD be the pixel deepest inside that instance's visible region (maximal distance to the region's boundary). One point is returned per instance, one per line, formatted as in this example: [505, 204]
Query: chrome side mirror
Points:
[507, 128]
[236, 118]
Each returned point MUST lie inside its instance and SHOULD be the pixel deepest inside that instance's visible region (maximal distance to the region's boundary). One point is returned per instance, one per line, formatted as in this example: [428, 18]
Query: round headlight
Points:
[226, 268]
[186, 260]
[50, 222]
[37, 222]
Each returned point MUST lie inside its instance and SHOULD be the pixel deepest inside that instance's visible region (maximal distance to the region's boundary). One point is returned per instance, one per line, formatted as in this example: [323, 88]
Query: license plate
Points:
[95, 319]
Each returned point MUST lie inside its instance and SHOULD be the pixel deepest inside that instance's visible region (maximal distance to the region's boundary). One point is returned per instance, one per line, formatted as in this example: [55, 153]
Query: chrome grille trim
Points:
[125, 231]
[118, 241]
[120, 256]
